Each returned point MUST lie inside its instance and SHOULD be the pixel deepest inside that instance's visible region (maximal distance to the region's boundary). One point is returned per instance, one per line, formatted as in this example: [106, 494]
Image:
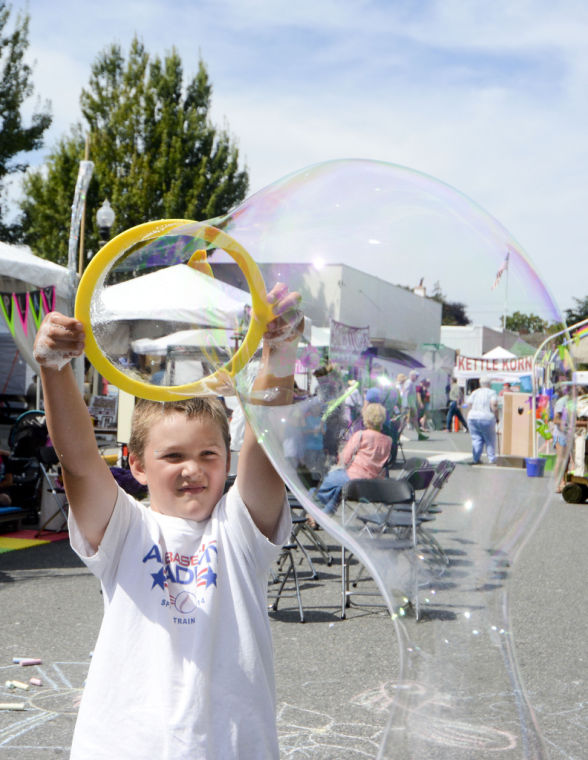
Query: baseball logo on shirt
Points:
[194, 573]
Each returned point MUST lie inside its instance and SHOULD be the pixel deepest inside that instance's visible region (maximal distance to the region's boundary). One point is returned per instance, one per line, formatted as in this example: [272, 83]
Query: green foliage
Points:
[579, 312]
[16, 139]
[452, 312]
[156, 154]
[525, 323]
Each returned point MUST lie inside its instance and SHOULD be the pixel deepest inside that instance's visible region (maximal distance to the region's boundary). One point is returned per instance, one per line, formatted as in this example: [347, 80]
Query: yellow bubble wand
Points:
[119, 246]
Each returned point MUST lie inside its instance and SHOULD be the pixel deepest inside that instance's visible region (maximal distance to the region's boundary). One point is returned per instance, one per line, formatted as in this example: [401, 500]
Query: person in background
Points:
[455, 401]
[312, 451]
[353, 404]
[363, 456]
[561, 419]
[330, 386]
[410, 403]
[482, 421]
[424, 396]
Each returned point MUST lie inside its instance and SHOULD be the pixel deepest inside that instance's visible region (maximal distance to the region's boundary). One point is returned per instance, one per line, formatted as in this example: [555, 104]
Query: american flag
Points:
[502, 270]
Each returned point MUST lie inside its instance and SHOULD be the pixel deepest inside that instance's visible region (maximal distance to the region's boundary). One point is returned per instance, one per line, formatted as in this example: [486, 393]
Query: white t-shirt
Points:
[183, 665]
[481, 403]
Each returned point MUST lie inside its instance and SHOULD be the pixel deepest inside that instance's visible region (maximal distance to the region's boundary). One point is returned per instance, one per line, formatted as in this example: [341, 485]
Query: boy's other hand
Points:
[288, 322]
[58, 341]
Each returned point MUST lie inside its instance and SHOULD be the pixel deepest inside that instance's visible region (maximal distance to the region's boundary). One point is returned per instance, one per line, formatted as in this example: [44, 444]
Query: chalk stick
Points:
[17, 685]
[36, 681]
[9, 685]
[12, 705]
[30, 661]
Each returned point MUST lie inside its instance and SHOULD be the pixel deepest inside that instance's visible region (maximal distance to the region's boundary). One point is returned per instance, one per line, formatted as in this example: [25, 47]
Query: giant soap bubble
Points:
[443, 575]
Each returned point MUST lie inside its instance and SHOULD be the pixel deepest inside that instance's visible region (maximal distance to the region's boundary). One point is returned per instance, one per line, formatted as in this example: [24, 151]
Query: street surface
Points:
[334, 677]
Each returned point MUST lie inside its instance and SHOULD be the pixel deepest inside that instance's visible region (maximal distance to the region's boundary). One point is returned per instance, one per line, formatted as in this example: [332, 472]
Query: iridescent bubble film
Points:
[367, 244]
[442, 562]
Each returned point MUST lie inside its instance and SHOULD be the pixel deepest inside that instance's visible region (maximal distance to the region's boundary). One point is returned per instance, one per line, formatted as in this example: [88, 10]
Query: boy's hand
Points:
[288, 323]
[58, 341]
[260, 486]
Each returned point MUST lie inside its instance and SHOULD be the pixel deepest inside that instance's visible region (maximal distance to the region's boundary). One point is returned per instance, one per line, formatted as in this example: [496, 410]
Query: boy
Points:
[183, 664]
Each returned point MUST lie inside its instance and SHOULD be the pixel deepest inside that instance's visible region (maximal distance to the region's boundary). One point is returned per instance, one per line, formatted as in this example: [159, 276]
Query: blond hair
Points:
[374, 416]
[146, 413]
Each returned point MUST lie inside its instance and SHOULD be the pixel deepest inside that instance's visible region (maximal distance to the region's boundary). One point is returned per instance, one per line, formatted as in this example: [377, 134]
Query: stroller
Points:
[34, 468]
[22, 469]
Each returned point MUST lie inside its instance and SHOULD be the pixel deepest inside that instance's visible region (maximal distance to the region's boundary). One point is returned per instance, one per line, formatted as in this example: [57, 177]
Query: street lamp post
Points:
[105, 217]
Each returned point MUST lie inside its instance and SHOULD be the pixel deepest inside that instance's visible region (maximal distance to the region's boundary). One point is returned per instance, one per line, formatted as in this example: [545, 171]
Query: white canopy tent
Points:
[173, 307]
[182, 339]
[22, 272]
[176, 294]
[20, 268]
[498, 352]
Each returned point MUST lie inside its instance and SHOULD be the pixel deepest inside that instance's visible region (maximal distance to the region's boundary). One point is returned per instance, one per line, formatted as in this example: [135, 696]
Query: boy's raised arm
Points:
[260, 486]
[90, 487]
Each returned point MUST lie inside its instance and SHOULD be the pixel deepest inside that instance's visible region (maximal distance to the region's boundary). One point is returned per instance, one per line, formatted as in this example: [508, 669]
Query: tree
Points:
[16, 86]
[524, 323]
[452, 312]
[578, 313]
[156, 154]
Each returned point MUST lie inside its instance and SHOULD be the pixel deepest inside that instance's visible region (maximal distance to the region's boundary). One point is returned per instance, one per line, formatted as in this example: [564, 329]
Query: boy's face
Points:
[185, 466]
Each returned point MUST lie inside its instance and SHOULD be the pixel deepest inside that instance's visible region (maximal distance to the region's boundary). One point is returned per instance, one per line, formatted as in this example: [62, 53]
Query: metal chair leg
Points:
[290, 571]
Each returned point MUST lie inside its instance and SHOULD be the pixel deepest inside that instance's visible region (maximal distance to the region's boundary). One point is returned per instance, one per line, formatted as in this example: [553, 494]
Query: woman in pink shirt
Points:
[363, 456]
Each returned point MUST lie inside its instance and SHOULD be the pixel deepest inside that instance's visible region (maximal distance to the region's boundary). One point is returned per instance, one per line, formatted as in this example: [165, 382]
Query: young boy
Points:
[183, 665]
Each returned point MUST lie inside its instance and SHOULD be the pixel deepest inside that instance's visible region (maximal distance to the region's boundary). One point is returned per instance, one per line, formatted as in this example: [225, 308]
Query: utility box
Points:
[517, 425]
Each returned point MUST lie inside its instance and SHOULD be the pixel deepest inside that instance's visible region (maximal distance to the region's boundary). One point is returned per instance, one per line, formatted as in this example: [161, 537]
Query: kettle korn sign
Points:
[473, 366]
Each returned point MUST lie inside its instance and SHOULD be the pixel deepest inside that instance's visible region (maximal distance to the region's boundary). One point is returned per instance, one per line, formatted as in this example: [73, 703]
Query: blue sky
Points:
[490, 96]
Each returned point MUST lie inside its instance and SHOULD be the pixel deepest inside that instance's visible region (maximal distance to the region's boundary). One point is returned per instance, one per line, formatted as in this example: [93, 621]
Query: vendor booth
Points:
[516, 419]
[29, 288]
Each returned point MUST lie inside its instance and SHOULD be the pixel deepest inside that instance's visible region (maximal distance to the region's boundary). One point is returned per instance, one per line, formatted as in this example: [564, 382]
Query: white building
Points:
[476, 340]
[397, 318]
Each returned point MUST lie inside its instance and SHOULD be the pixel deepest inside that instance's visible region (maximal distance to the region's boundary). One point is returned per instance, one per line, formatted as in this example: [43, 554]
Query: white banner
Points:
[347, 343]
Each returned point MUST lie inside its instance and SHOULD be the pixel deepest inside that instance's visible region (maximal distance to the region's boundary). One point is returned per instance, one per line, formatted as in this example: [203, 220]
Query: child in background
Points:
[183, 666]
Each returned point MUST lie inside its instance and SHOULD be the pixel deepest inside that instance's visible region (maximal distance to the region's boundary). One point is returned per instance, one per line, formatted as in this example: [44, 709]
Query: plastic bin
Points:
[535, 467]
[549, 462]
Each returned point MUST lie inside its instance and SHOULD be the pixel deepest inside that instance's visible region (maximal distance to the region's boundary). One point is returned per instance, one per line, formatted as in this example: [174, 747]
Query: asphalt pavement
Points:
[333, 676]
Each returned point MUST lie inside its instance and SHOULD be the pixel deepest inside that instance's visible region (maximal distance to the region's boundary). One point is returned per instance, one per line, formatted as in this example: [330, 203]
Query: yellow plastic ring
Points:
[107, 256]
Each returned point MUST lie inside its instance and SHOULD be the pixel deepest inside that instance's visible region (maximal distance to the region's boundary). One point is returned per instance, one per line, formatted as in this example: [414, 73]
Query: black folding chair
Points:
[394, 515]
[382, 492]
[303, 528]
[295, 550]
[411, 465]
[284, 574]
